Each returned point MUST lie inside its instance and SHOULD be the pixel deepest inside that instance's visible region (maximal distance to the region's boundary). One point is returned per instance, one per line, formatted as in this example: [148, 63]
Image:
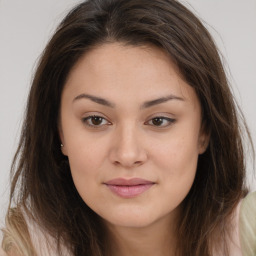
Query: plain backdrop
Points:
[26, 26]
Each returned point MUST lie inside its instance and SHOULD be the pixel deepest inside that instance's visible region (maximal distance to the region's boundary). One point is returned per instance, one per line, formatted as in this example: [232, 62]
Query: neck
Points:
[157, 239]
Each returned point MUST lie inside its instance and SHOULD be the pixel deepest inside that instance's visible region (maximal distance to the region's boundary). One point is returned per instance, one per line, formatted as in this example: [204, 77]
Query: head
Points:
[167, 37]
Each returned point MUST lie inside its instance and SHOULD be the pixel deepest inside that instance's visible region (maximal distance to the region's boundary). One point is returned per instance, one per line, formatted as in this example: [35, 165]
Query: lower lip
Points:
[129, 191]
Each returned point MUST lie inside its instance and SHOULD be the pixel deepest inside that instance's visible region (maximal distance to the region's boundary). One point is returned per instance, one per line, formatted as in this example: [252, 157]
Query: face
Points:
[131, 129]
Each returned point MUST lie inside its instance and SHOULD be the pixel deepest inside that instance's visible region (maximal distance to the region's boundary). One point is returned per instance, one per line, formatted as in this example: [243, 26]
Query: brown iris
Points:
[96, 120]
[157, 121]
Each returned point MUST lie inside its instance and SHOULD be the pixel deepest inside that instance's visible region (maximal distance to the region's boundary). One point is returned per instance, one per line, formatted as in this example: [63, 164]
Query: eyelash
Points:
[88, 121]
[169, 121]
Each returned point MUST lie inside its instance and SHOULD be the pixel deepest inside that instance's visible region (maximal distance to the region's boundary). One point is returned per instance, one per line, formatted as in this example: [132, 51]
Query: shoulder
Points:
[12, 252]
[2, 253]
[241, 236]
[16, 240]
[27, 237]
[43, 242]
[247, 225]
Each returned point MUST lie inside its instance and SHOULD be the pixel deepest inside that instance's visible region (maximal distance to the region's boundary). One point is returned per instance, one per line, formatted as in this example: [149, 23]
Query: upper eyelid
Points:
[163, 117]
[161, 114]
[91, 114]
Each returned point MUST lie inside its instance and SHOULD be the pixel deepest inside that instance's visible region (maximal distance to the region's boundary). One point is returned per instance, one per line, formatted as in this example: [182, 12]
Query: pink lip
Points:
[129, 188]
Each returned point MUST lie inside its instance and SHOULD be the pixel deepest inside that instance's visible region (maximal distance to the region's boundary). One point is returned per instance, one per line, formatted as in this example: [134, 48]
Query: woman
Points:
[126, 145]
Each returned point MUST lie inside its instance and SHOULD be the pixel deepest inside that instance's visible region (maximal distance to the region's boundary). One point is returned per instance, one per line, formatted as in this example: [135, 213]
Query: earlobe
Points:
[203, 144]
[63, 149]
[62, 145]
[203, 140]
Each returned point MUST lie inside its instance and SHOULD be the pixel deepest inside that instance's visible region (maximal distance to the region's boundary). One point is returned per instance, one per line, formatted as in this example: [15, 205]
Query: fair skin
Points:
[126, 113]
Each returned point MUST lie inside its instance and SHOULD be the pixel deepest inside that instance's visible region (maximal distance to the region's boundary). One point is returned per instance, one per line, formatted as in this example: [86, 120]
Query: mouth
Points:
[129, 188]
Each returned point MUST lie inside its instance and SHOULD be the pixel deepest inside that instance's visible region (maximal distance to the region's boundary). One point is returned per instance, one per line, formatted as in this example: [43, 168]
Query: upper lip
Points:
[128, 182]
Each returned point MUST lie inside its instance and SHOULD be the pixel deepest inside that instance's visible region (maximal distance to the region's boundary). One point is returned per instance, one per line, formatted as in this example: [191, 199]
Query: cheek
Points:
[178, 162]
[85, 172]
[85, 159]
[80, 159]
[177, 154]
[84, 150]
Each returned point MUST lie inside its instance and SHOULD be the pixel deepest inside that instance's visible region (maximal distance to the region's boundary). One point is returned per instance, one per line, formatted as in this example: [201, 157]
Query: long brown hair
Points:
[42, 182]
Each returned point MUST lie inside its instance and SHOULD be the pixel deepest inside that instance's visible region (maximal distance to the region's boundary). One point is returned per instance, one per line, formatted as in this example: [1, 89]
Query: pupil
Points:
[96, 120]
[157, 121]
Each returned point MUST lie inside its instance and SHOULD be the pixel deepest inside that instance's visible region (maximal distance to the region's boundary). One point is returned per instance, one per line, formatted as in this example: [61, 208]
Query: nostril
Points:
[136, 163]
[116, 163]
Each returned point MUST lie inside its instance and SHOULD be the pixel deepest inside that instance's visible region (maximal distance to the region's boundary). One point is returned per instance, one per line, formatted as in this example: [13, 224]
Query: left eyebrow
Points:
[154, 102]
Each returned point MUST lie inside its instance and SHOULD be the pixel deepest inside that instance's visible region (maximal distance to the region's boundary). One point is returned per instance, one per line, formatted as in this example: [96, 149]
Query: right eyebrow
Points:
[96, 99]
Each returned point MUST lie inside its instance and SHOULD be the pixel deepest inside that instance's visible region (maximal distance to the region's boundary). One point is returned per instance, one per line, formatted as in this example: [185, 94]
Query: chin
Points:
[132, 219]
[131, 222]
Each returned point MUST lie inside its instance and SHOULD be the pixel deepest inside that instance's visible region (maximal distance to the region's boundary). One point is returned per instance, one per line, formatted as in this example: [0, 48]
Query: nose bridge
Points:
[128, 148]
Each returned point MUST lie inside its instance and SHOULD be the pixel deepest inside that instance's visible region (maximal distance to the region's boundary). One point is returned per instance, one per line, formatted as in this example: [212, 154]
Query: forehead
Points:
[118, 69]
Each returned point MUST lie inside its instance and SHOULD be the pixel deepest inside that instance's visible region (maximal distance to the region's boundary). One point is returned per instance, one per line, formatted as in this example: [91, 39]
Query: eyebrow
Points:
[146, 104]
[96, 99]
[151, 103]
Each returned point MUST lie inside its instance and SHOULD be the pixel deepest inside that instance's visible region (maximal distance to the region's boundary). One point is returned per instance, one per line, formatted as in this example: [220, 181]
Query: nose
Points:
[127, 149]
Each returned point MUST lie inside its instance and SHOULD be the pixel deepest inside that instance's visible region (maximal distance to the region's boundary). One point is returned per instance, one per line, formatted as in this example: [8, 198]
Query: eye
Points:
[95, 121]
[161, 121]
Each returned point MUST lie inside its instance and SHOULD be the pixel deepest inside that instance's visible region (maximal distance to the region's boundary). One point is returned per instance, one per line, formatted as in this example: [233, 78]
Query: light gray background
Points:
[25, 27]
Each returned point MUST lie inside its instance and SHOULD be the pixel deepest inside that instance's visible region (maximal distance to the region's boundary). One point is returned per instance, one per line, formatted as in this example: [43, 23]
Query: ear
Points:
[203, 139]
[62, 145]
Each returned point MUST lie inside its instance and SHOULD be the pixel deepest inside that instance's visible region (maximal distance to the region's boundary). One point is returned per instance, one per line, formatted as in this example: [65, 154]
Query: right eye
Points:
[95, 121]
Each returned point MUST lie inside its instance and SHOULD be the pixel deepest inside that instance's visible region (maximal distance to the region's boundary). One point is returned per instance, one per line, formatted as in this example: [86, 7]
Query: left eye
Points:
[95, 121]
[161, 121]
